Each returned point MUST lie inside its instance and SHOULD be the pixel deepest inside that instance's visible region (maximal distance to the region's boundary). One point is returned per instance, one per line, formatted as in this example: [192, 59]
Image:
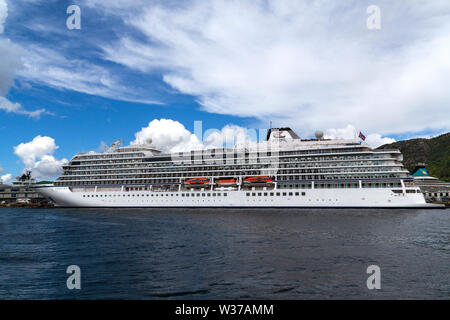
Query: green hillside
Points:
[434, 152]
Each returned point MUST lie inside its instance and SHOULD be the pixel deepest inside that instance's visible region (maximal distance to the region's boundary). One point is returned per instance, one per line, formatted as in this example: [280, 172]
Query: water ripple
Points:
[224, 254]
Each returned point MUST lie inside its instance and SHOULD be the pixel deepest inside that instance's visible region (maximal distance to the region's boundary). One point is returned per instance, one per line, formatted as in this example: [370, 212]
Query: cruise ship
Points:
[284, 171]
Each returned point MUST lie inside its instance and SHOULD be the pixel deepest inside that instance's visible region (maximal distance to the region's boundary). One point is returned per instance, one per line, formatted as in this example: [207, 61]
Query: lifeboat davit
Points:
[258, 179]
[226, 181]
[196, 181]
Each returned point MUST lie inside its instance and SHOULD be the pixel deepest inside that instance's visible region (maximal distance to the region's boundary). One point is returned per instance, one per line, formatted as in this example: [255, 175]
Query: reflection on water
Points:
[224, 253]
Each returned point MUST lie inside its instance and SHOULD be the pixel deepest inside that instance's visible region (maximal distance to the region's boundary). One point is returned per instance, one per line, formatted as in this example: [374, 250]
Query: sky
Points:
[139, 69]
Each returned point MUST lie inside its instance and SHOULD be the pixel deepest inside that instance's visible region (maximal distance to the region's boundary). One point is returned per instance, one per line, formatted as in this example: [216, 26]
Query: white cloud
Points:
[37, 156]
[14, 107]
[349, 132]
[168, 136]
[10, 64]
[3, 14]
[307, 64]
[48, 167]
[35, 149]
[64, 67]
[50, 67]
[229, 136]
[171, 136]
[375, 140]
[9, 55]
[6, 178]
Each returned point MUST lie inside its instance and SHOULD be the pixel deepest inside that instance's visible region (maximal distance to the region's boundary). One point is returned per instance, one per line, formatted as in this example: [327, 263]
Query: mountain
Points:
[434, 152]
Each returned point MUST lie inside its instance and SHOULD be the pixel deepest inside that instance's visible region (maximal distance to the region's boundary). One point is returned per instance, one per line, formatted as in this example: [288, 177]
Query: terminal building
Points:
[433, 189]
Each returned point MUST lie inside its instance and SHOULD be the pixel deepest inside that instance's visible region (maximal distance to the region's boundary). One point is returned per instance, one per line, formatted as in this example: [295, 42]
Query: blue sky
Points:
[306, 64]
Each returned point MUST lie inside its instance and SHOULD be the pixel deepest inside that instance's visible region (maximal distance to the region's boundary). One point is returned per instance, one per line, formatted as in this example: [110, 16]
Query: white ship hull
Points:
[287, 198]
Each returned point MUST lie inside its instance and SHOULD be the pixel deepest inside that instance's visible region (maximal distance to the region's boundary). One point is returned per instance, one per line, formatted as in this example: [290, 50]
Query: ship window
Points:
[203, 194]
[265, 194]
[253, 194]
[198, 194]
[187, 194]
[271, 194]
[214, 194]
[297, 194]
[259, 194]
[278, 193]
[225, 194]
[182, 194]
[290, 193]
[209, 194]
[284, 193]
[219, 194]
[410, 191]
[303, 193]
[247, 194]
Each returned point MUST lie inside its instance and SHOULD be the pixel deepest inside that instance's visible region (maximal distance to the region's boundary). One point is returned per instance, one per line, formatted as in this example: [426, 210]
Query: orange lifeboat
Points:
[196, 181]
[226, 181]
[258, 179]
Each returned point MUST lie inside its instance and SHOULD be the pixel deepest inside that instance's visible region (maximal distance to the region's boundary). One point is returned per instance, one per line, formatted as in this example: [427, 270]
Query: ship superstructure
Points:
[283, 171]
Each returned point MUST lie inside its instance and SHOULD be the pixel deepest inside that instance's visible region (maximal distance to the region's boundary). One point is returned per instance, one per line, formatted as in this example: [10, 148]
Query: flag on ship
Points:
[363, 137]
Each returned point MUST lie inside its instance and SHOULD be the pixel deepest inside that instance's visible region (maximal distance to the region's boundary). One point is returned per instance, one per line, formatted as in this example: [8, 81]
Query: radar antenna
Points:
[26, 176]
[116, 143]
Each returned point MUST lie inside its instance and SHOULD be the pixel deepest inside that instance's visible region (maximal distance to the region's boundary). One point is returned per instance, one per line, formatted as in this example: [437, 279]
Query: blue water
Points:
[224, 253]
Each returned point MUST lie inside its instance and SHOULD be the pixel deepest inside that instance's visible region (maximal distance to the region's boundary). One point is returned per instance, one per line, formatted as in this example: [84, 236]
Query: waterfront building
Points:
[433, 189]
